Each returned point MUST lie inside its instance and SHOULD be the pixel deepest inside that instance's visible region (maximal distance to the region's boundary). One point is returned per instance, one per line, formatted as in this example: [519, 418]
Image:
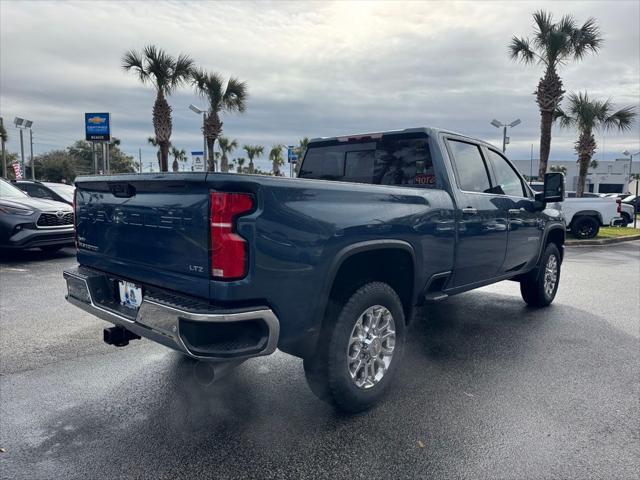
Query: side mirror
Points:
[553, 187]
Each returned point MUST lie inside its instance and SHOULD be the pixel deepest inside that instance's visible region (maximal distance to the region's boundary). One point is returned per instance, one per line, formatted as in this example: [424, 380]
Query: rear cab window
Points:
[392, 159]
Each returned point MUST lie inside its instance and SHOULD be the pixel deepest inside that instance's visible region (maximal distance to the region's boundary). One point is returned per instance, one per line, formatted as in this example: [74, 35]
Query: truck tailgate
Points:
[147, 228]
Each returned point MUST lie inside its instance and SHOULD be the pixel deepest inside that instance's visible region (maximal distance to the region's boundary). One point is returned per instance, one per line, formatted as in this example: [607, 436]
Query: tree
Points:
[300, 151]
[240, 162]
[276, 158]
[57, 165]
[226, 147]
[558, 169]
[81, 153]
[253, 152]
[231, 97]
[553, 45]
[587, 115]
[179, 155]
[166, 73]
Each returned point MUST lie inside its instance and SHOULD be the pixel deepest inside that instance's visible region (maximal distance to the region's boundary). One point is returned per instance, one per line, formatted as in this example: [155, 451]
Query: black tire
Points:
[532, 287]
[583, 228]
[327, 372]
[626, 219]
[51, 248]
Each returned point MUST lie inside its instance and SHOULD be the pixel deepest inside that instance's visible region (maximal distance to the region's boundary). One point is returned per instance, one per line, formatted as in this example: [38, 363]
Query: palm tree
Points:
[300, 151]
[152, 141]
[276, 158]
[253, 151]
[240, 162]
[166, 73]
[558, 169]
[553, 45]
[587, 115]
[226, 147]
[179, 155]
[231, 97]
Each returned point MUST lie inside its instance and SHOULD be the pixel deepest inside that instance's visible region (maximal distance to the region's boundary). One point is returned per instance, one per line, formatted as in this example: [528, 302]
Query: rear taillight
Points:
[619, 207]
[229, 253]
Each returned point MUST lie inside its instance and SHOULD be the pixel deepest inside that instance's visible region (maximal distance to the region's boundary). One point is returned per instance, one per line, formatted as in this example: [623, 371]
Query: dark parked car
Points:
[634, 201]
[60, 192]
[328, 266]
[27, 222]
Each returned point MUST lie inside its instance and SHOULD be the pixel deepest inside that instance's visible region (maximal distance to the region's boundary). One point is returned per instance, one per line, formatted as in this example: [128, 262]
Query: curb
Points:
[602, 241]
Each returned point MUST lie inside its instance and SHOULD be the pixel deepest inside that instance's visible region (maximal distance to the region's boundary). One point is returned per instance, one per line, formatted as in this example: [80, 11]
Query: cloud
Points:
[313, 69]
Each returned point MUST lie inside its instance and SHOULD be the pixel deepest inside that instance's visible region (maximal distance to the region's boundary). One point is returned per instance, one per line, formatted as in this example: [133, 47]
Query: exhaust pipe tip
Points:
[118, 336]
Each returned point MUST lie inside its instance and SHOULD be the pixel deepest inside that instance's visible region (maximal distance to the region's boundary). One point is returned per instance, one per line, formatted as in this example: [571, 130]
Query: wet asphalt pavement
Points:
[488, 389]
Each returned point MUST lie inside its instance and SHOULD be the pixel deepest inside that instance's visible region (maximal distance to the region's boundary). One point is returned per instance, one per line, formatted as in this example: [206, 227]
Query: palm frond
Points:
[543, 24]
[561, 117]
[586, 39]
[520, 49]
[132, 60]
[622, 120]
[181, 71]
[235, 95]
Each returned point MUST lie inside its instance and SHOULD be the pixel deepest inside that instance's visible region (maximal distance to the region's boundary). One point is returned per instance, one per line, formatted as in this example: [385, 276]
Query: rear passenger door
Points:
[524, 220]
[480, 216]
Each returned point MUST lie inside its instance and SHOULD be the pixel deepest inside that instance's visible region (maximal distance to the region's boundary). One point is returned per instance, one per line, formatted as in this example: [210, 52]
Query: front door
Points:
[525, 221]
[481, 217]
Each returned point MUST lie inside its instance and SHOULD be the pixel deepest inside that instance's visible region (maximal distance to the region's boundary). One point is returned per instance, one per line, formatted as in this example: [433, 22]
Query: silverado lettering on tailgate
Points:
[170, 219]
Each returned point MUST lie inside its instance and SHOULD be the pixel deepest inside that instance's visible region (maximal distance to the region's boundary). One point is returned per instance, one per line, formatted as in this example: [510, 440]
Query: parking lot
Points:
[488, 389]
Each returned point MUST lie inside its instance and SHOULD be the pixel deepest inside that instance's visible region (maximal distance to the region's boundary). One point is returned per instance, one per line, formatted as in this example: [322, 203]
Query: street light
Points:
[23, 124]
[626, 153]
[505, 139]
[630, 155]
[199, 111]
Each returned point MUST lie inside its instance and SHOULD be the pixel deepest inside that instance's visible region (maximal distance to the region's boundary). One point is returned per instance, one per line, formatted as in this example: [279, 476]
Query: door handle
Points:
[469, 210]
[515, 211]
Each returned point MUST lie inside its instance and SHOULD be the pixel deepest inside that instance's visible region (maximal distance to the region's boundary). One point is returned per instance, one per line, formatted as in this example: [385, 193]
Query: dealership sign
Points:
[197, 161]
[97, 127]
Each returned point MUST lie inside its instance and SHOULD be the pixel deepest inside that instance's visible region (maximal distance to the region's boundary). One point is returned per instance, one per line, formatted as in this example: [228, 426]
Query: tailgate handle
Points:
[122, 190]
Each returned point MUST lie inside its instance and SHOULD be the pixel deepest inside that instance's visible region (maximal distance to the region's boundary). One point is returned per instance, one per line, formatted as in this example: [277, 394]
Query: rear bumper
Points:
[188, 325]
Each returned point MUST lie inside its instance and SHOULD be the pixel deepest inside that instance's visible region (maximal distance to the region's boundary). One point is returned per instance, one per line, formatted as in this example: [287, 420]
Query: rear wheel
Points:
[359, 352]
[585, 227]
[626, 219]
[539, 288]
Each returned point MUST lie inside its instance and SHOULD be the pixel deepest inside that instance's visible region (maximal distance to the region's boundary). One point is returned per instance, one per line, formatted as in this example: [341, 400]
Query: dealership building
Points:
[607, 177]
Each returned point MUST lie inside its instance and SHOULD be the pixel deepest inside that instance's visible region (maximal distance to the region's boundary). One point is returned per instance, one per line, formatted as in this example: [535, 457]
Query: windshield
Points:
[62, 189]
[9, 191]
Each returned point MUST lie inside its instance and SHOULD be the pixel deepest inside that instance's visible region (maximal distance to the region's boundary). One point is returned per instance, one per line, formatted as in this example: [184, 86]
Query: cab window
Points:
[471, 170]
[507, 179]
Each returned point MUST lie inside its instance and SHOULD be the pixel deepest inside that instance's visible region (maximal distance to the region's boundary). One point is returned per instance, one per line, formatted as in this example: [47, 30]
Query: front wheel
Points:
[359, 352]
[539, 289]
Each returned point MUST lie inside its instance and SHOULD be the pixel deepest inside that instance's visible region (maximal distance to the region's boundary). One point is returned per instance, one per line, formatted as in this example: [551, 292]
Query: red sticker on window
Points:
[425, 179]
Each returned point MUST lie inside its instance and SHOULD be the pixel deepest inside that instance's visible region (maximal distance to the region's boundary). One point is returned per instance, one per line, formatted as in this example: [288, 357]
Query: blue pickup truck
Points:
[327, 267]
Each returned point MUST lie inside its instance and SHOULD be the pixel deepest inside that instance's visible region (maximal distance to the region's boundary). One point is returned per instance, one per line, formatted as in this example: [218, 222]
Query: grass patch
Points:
[615, 232]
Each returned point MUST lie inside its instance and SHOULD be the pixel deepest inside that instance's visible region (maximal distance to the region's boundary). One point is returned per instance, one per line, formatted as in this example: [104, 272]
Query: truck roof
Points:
[375, 135]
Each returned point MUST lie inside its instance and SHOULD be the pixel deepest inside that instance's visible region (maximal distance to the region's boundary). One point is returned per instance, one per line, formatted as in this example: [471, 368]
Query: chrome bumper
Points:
[161, 322]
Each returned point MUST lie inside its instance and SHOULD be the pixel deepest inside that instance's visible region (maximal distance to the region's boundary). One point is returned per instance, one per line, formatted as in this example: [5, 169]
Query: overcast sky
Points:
[313, 69]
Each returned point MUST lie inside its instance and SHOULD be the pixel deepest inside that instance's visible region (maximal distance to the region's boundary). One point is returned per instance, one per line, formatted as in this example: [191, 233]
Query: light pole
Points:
[637, 178]
[504, 126]
[199, 111]
[626, 153]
